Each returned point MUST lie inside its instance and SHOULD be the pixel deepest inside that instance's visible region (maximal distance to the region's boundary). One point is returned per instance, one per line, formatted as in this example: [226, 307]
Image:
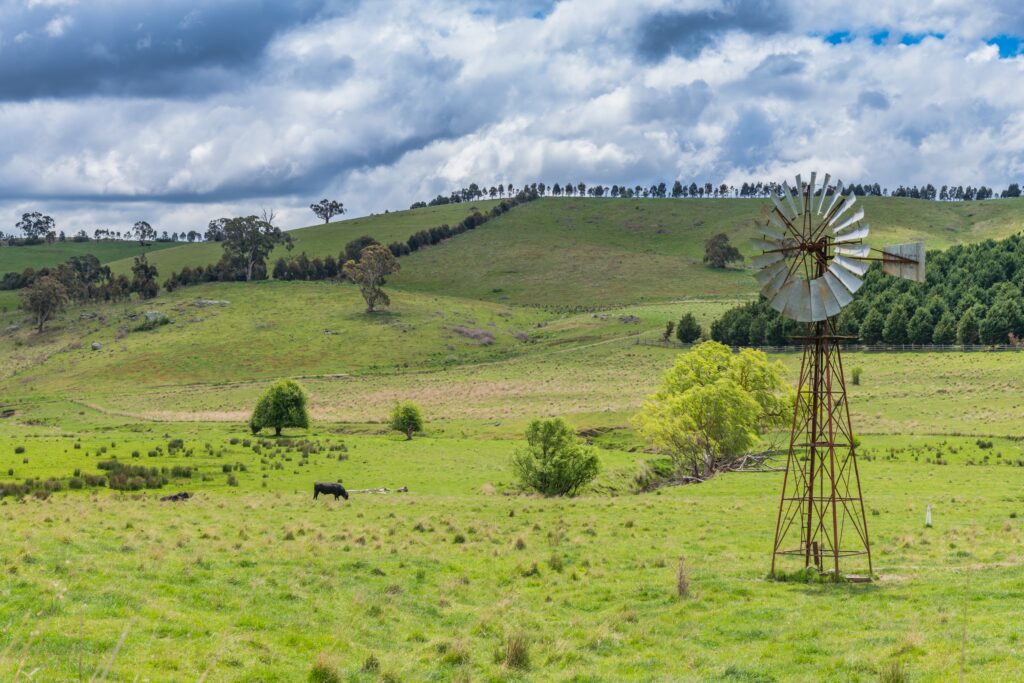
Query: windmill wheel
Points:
[812, 250]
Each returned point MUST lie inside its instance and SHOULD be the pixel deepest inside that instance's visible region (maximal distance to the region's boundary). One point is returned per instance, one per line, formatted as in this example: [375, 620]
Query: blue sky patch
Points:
[1009, 46]
[915, 38]
[839, 37]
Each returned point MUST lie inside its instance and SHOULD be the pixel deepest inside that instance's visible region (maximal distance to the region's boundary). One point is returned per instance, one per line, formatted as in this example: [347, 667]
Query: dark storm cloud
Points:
[687, 33]
[750, 143]
[122, 47]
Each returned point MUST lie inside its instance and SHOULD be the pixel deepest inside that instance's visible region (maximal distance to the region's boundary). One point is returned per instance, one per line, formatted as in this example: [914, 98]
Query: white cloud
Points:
[56, 27]
[383, 106]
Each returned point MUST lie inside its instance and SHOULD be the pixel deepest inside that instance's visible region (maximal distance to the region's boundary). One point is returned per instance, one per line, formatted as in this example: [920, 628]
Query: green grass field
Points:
[17, 259]
[251, 580]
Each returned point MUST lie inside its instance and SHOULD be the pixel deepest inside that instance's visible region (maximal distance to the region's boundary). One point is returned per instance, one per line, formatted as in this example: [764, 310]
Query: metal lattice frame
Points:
[821, 512]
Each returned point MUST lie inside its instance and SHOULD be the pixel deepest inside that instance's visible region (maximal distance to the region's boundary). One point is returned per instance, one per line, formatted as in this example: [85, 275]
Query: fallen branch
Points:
[383, 489]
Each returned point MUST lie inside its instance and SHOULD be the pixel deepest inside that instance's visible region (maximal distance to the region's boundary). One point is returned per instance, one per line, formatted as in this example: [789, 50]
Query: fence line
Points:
[867, 348]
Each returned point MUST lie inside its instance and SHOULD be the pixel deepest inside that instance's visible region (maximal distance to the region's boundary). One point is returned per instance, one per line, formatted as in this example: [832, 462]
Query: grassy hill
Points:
[44, 255]
[322, 240]
[600, 252]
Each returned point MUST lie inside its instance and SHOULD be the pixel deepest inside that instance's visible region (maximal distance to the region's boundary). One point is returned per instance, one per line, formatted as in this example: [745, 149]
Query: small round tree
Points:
[554, 462]
[283, 405]
[688, 329]
[406, 418]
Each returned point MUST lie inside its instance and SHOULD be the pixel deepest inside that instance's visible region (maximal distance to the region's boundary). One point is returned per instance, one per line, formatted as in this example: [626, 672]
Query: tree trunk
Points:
[408, 434]
[277, 431]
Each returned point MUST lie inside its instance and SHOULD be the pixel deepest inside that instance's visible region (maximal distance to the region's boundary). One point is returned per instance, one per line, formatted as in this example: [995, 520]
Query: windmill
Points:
[813, 258]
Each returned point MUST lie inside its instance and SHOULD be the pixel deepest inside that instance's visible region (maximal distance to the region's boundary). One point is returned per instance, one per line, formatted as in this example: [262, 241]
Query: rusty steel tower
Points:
[813, 258]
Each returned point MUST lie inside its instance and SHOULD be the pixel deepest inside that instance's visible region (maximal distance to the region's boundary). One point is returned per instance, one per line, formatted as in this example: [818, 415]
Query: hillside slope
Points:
[567, 252]
[322, 240]
[44, 255]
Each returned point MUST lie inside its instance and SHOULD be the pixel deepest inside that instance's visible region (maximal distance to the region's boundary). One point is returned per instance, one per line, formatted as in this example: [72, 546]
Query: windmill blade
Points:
[765, 275]
[855, 218]
[854, 251]
[840, 294]
[905, 261]
[849, 280]
[810, 192]
[765, 260]
[769, 245]
[835, 196]
[855, 267]
[847, 204]
[772, 287]
[800, 193]
[778, 302]
[817, 304]
[799, 305]
[772, 234]
[789, 198]
[858, 234]
[773, 218]
[832, 305]
[824, 191]
[778, 207]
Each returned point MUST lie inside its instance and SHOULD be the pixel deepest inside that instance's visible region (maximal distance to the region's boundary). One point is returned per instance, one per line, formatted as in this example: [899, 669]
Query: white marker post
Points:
[928, 517]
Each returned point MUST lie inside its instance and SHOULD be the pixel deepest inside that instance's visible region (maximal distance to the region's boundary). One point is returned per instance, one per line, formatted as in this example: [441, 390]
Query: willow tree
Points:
[714, 407]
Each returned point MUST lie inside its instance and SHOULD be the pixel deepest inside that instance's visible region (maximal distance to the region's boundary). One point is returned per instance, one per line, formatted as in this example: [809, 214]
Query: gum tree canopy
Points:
[713, 407]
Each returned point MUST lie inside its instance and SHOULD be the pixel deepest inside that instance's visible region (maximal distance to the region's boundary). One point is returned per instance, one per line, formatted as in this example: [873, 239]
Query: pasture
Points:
[464, 577]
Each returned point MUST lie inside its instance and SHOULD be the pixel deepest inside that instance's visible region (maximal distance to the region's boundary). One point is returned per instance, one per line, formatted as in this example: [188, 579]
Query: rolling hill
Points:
[321, 240]
[44, 255]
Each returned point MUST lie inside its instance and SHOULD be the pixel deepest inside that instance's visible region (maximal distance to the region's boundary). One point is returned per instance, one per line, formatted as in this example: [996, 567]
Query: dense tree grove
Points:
[973, 294]
[83, 277]
[718, 253]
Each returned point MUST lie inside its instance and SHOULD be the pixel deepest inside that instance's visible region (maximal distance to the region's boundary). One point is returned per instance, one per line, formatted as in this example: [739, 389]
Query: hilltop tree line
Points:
[707, 190]
[972, 295]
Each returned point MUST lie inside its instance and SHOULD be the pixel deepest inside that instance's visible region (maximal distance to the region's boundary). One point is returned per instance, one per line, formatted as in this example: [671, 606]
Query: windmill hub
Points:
[813, 258]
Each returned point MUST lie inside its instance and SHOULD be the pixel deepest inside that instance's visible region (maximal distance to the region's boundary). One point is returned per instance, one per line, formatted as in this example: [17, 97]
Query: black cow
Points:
[329, 488]
[175, 497]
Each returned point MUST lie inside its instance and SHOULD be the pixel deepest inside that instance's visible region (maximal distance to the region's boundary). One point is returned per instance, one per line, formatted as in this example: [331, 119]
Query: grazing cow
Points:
[329, 488]
[175, 497]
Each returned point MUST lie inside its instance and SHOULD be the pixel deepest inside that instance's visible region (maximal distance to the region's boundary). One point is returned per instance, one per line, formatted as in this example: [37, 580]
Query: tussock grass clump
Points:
[323, 672]
[371, 664]
[894, 672]
[516, 652]
[454, 653]
[682, 579]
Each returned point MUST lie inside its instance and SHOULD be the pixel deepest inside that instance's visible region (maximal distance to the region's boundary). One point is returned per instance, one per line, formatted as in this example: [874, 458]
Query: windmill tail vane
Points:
[813, 260]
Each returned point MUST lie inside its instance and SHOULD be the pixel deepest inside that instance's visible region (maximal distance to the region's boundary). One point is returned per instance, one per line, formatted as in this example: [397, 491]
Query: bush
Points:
[406, 418]
[855, 376]
[19, 450]
[688, 329]
[283, 405]
[554, 462]
[323, 672]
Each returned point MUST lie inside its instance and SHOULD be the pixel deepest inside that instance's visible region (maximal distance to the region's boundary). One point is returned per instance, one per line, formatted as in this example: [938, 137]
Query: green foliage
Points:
[144, 276]
[554, 462]
[407, 418]
[249, 240]
[855, 374]
[282, 405]
[688, 329]
[43, 299]
[718, 253]
[374, 265]
[713, 406]
[972, 294]
[354, 249]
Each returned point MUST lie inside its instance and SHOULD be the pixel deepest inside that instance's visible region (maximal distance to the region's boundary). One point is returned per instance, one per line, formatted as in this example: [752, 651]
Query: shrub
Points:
[688, 329]
[855, 376]
[18, 450]
[554, 462]
[406, 418]
[283, 405]
[232, 480]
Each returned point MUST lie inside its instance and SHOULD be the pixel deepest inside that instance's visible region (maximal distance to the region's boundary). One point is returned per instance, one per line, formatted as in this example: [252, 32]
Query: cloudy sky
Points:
[180, 111]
